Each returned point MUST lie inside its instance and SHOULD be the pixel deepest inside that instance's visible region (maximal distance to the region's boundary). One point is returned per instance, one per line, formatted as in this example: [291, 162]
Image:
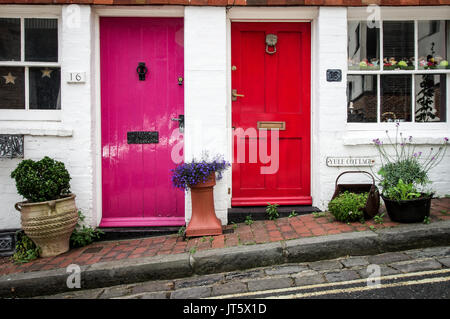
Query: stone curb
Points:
[229, 259]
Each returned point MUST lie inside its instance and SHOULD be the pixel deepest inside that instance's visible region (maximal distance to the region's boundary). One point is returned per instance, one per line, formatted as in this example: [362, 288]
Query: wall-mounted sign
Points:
[350, 161]
[334, 75]
[76, 77]
[11, 146]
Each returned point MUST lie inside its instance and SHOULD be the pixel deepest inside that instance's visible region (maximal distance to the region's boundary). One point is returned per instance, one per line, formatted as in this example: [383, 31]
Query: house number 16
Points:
[76, 77]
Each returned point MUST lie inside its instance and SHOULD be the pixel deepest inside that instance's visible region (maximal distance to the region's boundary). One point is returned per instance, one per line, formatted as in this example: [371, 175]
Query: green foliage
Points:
[181, 231]
[402, 191]
[426, 220]
[83, 235]
[293, 214]
[379, 219]
[319, 214]
[408, 170]
[42, 180]
[26, 249]
[347, 207]
[272, 211]
[248, 220]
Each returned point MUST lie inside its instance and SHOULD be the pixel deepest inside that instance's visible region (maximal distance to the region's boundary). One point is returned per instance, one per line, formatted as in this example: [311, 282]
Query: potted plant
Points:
[49, 214]
[404, 178]
[200, 177]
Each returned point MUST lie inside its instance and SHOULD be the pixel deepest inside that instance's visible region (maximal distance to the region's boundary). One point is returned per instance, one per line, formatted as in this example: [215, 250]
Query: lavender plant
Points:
[405, 164]
[198, 171]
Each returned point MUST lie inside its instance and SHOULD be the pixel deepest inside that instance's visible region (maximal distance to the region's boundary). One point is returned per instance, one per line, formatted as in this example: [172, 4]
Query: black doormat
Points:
[239, 214]
[117, 233]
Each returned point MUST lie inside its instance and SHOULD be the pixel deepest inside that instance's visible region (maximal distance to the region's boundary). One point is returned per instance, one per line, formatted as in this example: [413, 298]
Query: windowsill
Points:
[419, 137]
[36, 128]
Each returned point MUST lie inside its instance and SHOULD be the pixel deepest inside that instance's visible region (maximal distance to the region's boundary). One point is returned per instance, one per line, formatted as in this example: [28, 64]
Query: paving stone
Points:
[388, 258]
[342, 275]
[445, 261]
[229, 288]
[152, 286]
[117, 291]
[384, 271]
[198, 281]
[254, 273]
[269, 283]
[191, 293]
[154, 295]
[354, 261]
[284, 270]
[416, 265]
[429, 252]
[308, 277]
[325, 265]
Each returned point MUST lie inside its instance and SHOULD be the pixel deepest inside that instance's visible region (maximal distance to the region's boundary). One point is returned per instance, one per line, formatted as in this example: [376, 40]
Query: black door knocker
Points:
[142, 71]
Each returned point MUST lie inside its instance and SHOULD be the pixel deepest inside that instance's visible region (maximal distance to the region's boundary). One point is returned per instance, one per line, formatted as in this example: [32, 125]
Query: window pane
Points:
[363, 46]
[9, 39]
[45, 88]
[41, 40]
[434, 44]
[430, 97]
[362, 98]
[398, 45]
[12, 88]
[396, 98]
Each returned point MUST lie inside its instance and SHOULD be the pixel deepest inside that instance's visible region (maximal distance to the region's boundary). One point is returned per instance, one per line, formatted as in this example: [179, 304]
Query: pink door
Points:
[138, 103]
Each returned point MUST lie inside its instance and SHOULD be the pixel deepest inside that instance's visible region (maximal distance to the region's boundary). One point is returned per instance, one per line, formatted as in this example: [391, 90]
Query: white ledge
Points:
[49, 129]
[418, 138]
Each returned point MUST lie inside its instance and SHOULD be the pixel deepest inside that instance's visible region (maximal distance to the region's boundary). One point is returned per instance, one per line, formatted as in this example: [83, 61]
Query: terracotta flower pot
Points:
[49, 224]
[204, 221]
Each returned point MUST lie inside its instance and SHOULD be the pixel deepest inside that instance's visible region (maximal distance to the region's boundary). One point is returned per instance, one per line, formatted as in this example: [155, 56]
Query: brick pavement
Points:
[258, 232]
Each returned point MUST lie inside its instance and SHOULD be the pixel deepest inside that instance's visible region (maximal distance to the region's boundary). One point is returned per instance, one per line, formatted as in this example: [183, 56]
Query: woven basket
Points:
[49, 224]
[373, 200]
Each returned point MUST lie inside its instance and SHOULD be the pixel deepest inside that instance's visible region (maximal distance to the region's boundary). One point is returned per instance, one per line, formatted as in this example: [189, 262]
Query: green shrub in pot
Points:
[49, 215]
[348, 207]
[42, 180]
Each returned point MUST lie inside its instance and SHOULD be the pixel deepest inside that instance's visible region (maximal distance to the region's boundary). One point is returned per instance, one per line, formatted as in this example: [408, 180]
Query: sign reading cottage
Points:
[123, 91]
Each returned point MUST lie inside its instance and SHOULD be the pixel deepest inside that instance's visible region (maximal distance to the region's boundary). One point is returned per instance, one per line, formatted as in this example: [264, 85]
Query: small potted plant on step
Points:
[200, 177]
[49, 214]
[404, 178]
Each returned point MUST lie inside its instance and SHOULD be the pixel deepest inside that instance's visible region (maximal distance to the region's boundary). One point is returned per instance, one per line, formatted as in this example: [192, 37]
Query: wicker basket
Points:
[373, 201]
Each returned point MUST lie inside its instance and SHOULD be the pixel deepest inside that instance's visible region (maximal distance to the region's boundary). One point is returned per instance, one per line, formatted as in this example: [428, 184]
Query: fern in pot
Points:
[49, 214]
[404, 177]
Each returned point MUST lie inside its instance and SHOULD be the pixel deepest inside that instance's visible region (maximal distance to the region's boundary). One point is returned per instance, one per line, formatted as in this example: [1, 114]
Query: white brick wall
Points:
[76, 150]
[206, 111]
[206, 92]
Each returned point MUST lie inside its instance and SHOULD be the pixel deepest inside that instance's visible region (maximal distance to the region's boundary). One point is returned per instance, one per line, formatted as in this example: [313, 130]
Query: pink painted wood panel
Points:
[136, 178]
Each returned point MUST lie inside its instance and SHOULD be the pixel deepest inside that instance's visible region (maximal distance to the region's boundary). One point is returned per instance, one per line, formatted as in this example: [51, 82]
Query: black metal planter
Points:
[408, 211]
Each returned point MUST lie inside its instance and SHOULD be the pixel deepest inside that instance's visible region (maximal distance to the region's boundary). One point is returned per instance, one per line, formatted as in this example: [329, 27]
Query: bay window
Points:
[398, 71]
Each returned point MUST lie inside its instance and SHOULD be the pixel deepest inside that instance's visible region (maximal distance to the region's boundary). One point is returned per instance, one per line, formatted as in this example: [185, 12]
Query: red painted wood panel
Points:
[136, 178]
[276, 87]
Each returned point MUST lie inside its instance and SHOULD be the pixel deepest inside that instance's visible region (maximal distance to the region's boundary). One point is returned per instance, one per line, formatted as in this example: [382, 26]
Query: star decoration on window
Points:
[10, 78]
[46, 73]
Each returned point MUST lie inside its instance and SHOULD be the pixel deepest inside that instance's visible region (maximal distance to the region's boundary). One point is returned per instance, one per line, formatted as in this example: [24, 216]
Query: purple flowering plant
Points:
[405, 165]
[198, 171]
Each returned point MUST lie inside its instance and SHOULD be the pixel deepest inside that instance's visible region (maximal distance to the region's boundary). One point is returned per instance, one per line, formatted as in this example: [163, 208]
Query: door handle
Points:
[235, 95]
[180, 120]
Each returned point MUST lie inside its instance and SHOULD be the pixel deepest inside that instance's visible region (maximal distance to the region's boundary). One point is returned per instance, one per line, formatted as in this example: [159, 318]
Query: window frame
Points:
[28, 114]
[399, 14]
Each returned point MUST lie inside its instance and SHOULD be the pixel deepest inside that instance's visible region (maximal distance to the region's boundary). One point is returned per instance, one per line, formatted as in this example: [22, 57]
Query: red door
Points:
[274, 79]
[137, 126]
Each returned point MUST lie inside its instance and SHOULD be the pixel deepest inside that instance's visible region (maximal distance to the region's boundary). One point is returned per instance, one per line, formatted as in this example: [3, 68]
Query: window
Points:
[30, 73]
[409, 82]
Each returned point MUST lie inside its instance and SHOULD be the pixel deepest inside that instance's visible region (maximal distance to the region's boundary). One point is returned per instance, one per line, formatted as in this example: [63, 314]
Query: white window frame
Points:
[22, 13]
[401, 14]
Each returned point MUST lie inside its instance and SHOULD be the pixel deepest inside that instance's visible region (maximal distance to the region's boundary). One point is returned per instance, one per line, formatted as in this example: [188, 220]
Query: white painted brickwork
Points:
[207, 108]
